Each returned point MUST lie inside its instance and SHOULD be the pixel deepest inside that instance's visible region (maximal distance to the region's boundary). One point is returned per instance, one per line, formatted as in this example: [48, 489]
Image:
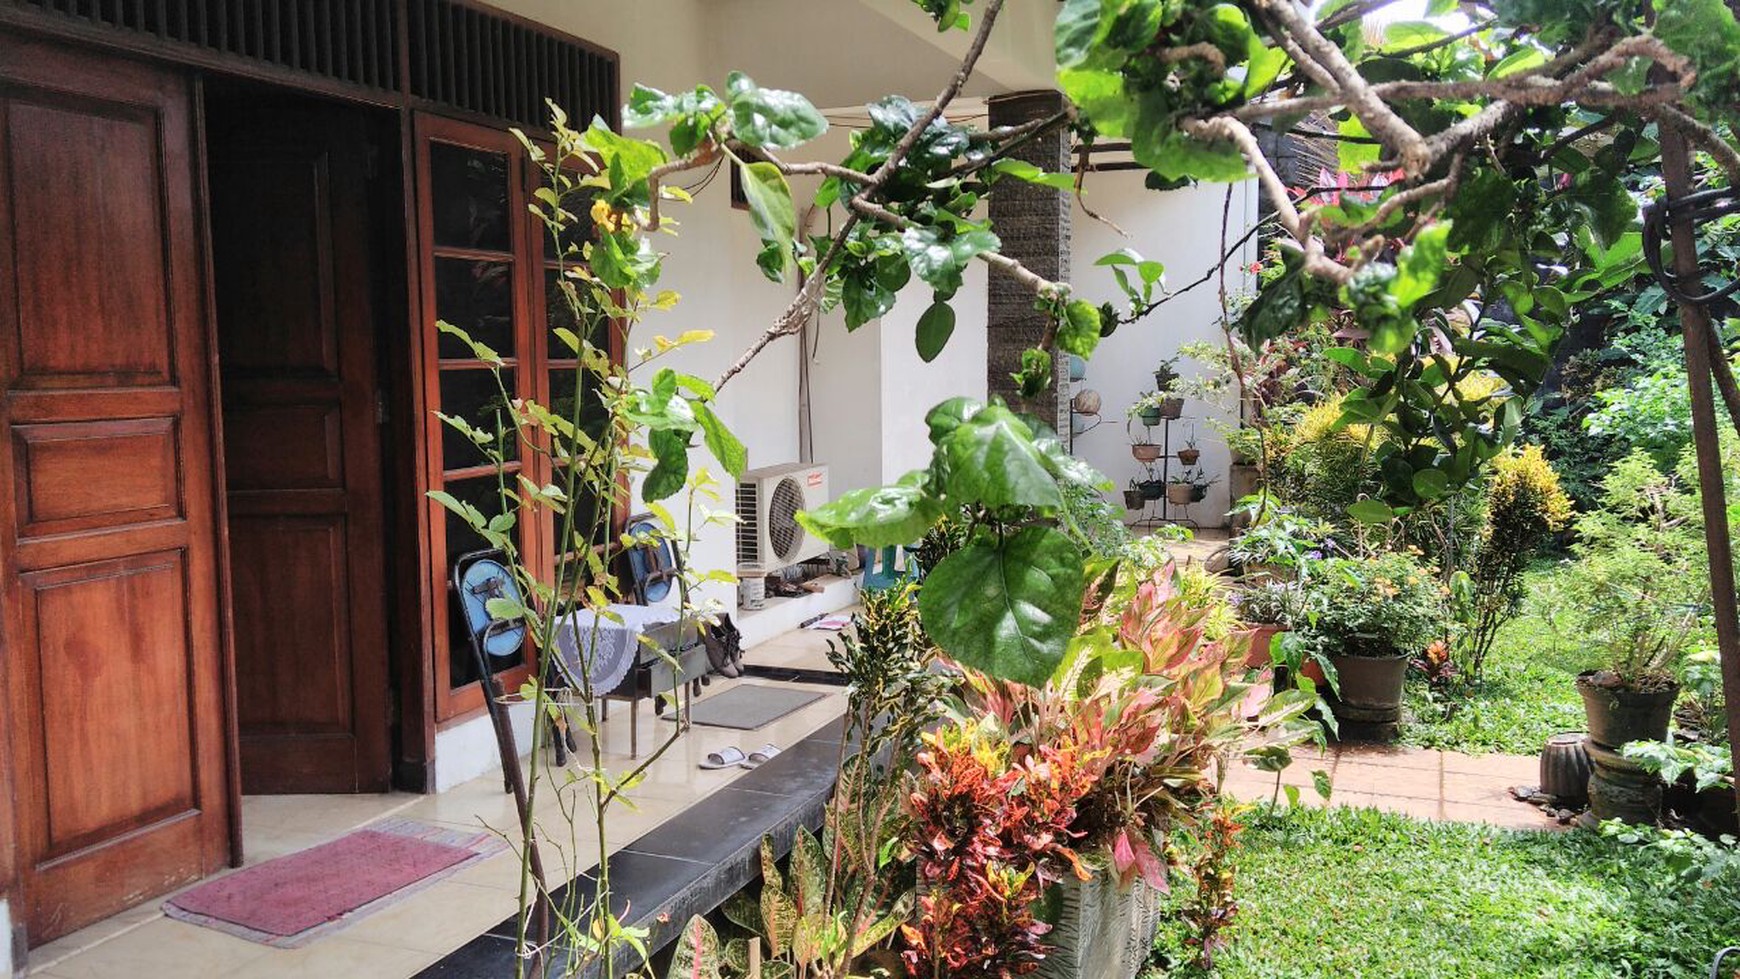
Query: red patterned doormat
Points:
[292, 900]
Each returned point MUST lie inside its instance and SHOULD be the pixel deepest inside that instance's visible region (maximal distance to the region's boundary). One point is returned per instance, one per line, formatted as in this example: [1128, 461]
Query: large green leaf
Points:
[771, 117]
[697, 952]
[671, 448]
[1006, 607]
[992, 460]
[935, 326]
[949, 415]
[770, 205]
[724, 445]
[877, 516]
[939, 261]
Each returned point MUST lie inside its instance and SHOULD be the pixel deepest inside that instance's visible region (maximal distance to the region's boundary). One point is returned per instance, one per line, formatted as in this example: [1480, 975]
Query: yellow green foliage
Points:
[1524, 502]
[1323, 469]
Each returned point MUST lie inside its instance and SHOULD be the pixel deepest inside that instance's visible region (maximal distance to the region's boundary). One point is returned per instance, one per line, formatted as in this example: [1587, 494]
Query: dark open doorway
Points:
[306, 222]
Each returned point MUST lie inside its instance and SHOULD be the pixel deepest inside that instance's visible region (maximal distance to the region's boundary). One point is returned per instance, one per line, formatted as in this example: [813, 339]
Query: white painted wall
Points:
[1181, 229]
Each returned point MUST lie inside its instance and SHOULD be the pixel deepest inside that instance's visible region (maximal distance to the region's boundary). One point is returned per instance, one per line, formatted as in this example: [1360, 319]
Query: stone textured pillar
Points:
[1033, 223]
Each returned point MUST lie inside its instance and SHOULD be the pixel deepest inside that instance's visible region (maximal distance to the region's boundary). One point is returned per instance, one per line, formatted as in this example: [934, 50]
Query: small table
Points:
[649, 651]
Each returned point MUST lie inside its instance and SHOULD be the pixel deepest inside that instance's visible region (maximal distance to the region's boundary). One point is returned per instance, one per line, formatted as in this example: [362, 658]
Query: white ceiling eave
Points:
[849, 52]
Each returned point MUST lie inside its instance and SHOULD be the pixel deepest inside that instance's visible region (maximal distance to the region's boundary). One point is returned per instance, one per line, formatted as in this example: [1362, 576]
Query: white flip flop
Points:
[724, 758]
[760, 756]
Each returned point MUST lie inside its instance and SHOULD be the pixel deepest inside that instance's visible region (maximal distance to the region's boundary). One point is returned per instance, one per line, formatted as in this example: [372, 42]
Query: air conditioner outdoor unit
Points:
[768, 535]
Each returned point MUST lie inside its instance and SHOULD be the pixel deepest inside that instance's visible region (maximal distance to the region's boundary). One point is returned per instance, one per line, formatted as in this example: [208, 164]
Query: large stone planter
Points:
[1369, 706]
[1102, 931]
[1619, 788]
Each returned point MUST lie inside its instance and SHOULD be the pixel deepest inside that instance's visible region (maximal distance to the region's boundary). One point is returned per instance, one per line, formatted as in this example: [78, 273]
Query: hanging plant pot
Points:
[1151, 489]
[1077, 367]
[1149, 416]
[1189, 456]
[1133, 499]
[1179, 494]
[1145, 451]
[1198, 492]
[1172, 408]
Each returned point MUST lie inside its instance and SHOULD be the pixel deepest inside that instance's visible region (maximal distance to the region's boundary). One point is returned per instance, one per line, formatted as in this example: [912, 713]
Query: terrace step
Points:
[690, 863]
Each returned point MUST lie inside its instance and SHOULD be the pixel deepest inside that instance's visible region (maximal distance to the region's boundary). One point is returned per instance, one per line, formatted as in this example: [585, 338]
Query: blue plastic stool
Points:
[877, 578]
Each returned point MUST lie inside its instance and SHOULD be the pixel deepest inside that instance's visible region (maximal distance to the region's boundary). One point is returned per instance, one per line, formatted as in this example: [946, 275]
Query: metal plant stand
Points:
[1161, 511]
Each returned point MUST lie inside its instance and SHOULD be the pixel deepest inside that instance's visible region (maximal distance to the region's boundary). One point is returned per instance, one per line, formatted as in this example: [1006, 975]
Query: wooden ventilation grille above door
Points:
[347, 41]
[466, 58]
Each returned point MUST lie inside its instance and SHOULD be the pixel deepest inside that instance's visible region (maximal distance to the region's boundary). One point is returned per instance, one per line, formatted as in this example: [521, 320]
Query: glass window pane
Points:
[482, 493]
[559, 312]
[469, 197]
[472, 394]
[578, 203]
[477, 297]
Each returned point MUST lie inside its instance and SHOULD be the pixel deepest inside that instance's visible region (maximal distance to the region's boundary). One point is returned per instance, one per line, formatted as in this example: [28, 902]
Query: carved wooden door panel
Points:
[291, 264]
[113, 661]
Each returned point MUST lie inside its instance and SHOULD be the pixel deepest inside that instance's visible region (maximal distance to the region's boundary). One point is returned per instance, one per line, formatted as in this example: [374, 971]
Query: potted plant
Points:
[1190, 454]
[1147, 409]
[1642, 635]
[1151, 488]
[1199, 484]
[1245, 445]
[1133, 497]
[1277, 544]
[1179, 489]
[1166, 375]
[1265, 608]
[1366, 617]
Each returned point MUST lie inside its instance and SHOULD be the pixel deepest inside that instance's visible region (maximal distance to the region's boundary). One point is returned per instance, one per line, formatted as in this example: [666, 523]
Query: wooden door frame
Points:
[220, 477]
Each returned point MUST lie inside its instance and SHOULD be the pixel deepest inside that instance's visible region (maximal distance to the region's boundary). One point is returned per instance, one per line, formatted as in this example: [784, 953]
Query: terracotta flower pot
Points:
[1262, 638]
[1178, 494]
[1189, 456]
[1617, 715]
[1145, 452]
[1172, 408]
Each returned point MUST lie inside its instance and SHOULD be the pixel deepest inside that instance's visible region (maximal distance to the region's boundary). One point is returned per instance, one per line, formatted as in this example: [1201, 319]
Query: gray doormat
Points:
[749, 706]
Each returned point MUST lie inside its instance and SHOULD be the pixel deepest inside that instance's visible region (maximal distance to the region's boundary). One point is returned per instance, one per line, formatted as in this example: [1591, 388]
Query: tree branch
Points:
[809, 295]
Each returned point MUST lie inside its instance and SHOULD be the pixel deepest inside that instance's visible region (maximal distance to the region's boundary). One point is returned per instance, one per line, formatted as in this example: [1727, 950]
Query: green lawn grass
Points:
[1526, 696]
[1352, 893]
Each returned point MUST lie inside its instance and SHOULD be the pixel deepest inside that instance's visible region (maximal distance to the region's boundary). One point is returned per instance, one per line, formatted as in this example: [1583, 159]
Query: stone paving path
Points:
[1414, 781]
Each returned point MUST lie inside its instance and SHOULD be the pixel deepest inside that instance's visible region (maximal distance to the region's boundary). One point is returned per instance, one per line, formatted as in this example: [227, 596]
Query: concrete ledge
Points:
[690, 863]
[782, 615]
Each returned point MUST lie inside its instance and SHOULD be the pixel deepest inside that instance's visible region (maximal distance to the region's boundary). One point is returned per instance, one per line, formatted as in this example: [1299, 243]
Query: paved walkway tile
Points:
[1412, 781]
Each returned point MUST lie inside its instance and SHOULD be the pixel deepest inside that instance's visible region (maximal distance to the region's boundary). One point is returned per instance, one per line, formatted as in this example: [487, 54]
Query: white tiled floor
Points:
[805, 649]
[406, 937]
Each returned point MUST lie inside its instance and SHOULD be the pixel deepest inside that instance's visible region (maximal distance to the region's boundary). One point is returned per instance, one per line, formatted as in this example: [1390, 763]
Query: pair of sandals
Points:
[733, 757]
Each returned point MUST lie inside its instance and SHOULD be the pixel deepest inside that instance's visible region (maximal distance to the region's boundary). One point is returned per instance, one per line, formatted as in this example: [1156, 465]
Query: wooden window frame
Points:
[532, 366]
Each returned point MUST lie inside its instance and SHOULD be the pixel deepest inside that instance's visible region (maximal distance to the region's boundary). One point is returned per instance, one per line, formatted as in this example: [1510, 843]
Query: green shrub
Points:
[1381, 606]
[1524, 507]
[1320, 468]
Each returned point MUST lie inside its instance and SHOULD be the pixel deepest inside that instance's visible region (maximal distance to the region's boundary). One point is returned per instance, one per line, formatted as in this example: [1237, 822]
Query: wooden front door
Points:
[291, 256]
[113, 666]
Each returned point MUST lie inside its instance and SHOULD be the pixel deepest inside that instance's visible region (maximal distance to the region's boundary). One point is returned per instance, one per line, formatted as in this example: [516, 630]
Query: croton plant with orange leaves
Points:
[1125, 744]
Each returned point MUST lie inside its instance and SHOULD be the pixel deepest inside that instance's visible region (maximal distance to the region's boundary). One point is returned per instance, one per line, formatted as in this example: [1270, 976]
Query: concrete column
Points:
[1033, 223]
[12, 958]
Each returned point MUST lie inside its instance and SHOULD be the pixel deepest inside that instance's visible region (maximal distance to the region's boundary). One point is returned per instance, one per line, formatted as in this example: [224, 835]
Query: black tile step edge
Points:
[795, 674]
[663, 890]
